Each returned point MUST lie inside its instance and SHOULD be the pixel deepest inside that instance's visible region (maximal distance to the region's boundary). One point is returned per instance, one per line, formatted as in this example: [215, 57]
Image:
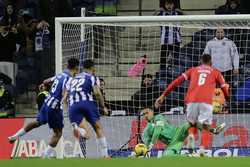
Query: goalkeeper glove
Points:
[150, 146]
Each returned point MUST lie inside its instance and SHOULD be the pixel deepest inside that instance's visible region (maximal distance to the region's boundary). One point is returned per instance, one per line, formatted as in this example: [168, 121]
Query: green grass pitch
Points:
[153, 162]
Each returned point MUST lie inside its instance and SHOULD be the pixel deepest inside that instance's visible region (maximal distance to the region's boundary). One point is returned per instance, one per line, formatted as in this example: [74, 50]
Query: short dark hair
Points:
[147, 76]
[102, 80]
[87, 64]
[73, 63]
[171, 1]
[206, 58]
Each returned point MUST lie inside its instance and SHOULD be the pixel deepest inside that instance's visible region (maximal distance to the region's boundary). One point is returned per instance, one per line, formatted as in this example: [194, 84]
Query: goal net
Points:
[125, 49]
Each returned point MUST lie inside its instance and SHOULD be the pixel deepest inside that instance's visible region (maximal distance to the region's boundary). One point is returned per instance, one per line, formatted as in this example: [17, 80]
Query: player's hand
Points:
[150, 147]
[159, 101]
[105, 111]
[14, 30]
[236, 71]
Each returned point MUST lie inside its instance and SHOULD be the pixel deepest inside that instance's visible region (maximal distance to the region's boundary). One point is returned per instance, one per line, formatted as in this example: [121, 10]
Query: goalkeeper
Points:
[160, 129]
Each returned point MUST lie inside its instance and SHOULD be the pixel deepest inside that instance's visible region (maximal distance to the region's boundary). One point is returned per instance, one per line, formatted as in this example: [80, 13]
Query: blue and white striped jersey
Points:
[169, 34]
[81, 88]
[59, 85]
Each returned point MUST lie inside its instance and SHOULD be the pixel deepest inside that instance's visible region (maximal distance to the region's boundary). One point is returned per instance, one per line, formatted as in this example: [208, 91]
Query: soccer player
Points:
[203, 80]
[82, 105]
[51, 110]
[160, 129]
[43, 93]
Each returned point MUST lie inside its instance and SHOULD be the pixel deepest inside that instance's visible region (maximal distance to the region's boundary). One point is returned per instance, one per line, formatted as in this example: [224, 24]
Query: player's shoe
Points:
[194, 154]
[202, 152]
[79, 132]
[48, 154]
[219, 128]
[12, 139]
[107, 158]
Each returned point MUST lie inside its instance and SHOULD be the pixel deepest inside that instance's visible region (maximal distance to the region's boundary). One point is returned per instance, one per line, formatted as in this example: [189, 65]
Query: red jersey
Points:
[203, 81]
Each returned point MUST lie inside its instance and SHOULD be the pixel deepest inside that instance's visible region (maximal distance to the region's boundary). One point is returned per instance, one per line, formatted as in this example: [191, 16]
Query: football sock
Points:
[48, 151]
[103, 146]
[19, 133]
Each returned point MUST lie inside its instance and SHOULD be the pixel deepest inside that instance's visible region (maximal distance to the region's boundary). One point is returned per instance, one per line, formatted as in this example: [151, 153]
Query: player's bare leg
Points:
[101, 139]
[208, 128]
[23, 131]
[192, 131]
[81, 130]
[82, 133]
[53, 142]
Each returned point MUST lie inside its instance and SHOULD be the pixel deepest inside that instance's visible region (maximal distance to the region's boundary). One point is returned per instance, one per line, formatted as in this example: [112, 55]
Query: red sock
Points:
[193, 130]
[206, 139]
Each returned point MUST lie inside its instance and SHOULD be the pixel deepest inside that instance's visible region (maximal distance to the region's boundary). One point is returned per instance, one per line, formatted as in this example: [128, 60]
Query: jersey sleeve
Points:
[159, 122]
[187, 74]
[52, 78]
[49, 80]
[221, 81]
[68, 83]
[147, 135]
[40, 100]
[177, 82]
[235, 56]
[93, 81]
[207, 49]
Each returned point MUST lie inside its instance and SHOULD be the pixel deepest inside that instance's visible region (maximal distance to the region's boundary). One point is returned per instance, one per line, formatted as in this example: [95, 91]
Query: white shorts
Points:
[200, 112]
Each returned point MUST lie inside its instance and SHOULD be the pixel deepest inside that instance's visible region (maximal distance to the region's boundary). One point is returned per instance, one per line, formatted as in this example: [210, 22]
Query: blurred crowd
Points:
[27, 42]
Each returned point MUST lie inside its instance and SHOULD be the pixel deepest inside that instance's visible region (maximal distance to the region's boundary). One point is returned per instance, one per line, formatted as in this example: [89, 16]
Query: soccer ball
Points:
[140, 150]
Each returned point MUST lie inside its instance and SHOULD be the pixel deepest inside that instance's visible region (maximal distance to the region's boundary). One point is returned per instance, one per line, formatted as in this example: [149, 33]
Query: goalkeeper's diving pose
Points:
[160, 129]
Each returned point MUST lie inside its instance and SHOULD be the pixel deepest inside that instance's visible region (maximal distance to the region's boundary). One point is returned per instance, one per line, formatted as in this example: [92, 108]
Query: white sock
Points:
[19, 133]
[48, 151]
[82, 131]
[191, 141]
[103, 146]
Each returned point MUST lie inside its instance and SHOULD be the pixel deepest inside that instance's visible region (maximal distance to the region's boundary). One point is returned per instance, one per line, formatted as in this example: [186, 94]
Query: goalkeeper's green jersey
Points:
[158, 129]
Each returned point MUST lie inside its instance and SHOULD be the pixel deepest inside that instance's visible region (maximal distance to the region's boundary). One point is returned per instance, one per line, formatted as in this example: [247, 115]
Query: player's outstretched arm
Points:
[65, 100]
[224, 86]
[170, 87]
[100, 98]
[159, 126]
[146, 135]
[47, 81]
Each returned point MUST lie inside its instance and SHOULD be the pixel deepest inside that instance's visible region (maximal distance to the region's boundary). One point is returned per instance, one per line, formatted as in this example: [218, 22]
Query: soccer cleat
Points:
[46, 156]
[219, 128]
[12, 139]
[48, 153]
[202, 152]
[107, 158]
[194, 154]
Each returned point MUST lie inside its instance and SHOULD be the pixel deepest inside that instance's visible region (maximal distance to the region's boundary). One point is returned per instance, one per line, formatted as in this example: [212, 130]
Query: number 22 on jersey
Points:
[76, 85]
